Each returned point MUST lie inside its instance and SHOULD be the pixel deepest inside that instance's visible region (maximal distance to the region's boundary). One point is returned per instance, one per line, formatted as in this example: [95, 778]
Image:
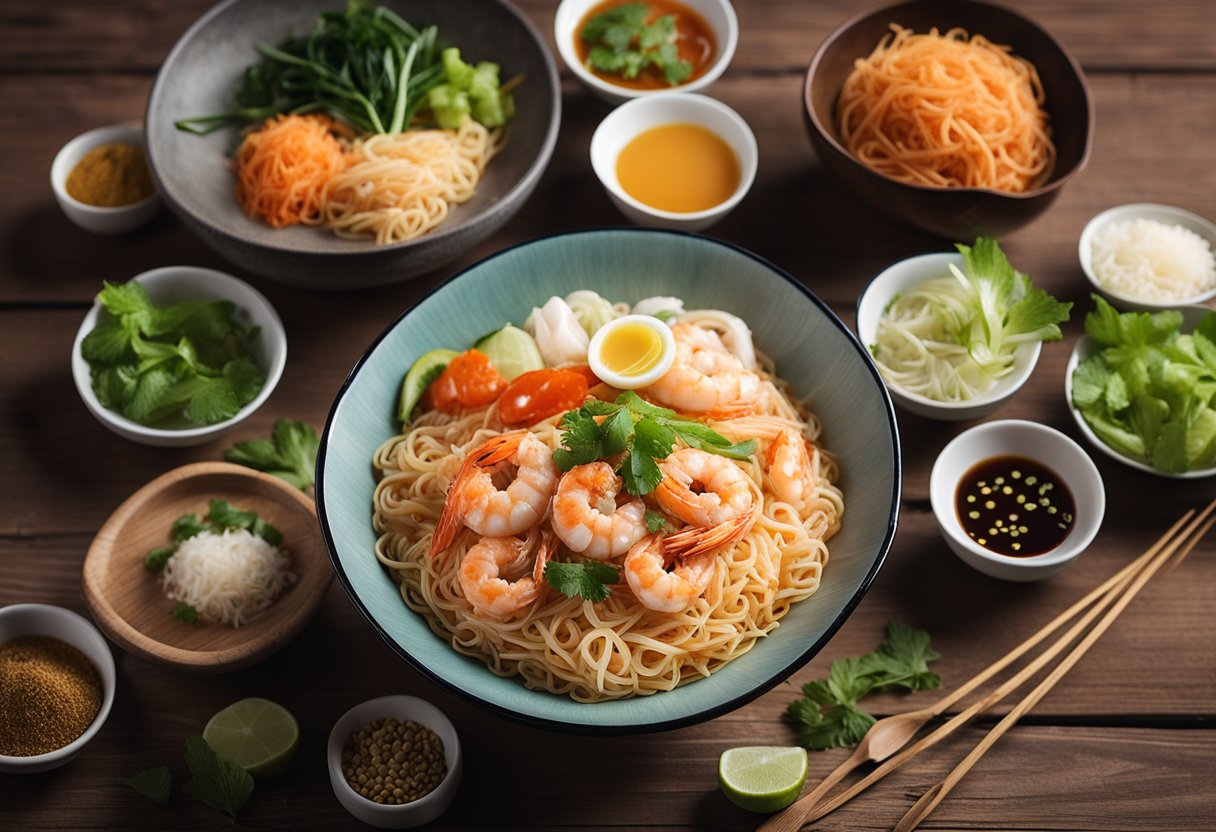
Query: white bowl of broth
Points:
[706, 35]
[675, 160]
[1016, 500]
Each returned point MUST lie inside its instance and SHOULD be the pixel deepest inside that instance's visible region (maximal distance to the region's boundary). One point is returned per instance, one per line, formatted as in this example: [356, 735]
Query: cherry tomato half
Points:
[537, 395]
[470, 380]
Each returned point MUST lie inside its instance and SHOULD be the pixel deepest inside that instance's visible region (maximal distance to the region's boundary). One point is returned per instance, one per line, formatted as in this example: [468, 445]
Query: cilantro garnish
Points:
[643, 432]
[655, 522]
[221, 516]
[184, 612]
[828, 714]
[290, 454]
[623, 43]
[589, 579]
[190, 359]
[153, 783]
[216, 781]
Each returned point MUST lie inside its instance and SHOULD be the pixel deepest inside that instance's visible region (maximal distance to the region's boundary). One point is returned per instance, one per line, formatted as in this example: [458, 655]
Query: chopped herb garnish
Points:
[156, 559]
[589, 579]
[655, 522]
[624, 44]
[643, 432]
[828, 714]
[184, 612]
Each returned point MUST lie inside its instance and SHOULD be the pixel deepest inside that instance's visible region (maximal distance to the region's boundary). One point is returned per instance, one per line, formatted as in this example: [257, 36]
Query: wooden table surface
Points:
[1125, 742]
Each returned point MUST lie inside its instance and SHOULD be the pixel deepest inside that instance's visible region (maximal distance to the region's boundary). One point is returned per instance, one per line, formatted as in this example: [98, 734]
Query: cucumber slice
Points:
[512, 352]
[425, 370]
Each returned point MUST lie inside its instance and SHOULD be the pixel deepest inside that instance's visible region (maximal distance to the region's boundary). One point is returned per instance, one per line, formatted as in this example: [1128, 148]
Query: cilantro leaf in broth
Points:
[622, 42]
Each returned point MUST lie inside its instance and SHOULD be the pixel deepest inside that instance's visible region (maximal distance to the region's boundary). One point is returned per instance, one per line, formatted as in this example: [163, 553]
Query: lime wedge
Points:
[512, 351]
[425, 370]
[762, 778]
[258, 735]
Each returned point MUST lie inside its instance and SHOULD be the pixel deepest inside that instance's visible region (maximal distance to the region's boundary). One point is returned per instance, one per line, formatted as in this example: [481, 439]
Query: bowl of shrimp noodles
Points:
[577, 556]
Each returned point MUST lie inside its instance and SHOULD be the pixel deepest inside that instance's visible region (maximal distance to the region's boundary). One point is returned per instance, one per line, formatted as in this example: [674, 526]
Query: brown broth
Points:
[1014, 506]
[694, 40]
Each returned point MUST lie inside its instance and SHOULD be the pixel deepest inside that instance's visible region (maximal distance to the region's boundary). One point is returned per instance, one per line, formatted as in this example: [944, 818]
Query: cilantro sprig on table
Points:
[625, 44]
[828, 715]
[641, 431]
[150, 362]
[290, 454]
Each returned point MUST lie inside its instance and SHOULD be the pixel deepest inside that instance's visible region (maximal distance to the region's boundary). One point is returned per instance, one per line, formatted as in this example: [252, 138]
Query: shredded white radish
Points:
[231, 577]
[1153, 261]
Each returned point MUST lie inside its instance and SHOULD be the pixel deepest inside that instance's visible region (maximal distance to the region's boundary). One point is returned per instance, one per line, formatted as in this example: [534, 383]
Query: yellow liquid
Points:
[631, 349]
[678, 167]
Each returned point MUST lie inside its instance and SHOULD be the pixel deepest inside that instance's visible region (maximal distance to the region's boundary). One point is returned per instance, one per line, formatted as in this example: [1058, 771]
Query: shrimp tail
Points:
[548, 543]
[486, 455]
[698, 540]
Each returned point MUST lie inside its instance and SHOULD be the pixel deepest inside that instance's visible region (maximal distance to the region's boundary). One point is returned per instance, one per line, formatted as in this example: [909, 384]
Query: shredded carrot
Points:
[283, 167]
[945, 110]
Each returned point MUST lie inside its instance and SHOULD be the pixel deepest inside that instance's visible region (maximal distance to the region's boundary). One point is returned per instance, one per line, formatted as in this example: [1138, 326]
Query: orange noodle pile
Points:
[282, 168]
[947, 110]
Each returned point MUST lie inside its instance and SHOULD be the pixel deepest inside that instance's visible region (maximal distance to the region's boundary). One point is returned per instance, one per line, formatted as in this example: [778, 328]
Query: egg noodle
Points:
[946, 110]
[615, 648]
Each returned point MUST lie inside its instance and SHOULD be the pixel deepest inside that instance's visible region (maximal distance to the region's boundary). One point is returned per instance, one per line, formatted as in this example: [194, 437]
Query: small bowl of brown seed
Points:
[394, 762]
[56, 686]
[102, 181]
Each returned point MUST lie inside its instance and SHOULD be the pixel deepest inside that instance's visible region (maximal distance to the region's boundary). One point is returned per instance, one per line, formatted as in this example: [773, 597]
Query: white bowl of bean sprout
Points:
[371, 809]
[873, 303]
[53, 663]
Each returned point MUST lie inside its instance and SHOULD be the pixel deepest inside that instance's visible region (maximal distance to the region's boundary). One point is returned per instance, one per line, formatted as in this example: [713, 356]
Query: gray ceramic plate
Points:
[813, 350]
[202, 71]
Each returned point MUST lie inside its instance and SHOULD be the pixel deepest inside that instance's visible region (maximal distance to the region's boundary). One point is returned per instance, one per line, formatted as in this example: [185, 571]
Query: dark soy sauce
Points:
[1014, 506]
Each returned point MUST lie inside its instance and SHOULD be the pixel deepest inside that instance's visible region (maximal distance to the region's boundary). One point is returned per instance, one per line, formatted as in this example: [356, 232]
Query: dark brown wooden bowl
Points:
[956, 213]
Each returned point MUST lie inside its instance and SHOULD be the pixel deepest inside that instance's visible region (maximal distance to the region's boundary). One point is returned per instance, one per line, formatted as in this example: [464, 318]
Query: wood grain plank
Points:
[795, 215]
[774, 35]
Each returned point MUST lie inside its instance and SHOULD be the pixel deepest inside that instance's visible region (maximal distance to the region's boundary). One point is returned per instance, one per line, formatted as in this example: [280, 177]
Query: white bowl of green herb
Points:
[1142, 388]
[632, 42]
[178, 355]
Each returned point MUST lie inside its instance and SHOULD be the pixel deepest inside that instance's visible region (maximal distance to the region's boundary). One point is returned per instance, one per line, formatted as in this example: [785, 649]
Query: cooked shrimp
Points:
[475, 500]
[703, 489]
[659, 589]
[482, 566]
[705, 376]
[791, 468]
[587, 518]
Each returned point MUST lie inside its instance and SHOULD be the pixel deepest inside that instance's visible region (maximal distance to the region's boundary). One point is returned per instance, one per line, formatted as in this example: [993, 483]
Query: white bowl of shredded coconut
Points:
[1145, 257]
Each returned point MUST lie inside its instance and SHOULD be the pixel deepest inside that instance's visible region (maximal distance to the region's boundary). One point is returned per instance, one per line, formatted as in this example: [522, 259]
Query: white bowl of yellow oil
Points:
[675, 160]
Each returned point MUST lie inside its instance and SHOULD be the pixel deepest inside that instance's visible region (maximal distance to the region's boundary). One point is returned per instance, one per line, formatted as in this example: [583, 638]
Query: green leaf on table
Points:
[215, 780]
[290, 454]
[153, 783]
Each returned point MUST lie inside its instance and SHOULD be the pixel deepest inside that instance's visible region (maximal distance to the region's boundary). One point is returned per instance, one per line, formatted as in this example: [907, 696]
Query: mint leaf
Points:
[216, 781]
[588, 579]
[212, 401]
[153, 783]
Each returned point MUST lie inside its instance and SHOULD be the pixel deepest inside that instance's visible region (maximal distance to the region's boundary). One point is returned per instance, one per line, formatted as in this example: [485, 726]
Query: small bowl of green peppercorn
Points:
[394, 762]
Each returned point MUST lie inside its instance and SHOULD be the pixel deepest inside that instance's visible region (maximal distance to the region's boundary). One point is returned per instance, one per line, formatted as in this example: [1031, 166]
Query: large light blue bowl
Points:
[812, 348]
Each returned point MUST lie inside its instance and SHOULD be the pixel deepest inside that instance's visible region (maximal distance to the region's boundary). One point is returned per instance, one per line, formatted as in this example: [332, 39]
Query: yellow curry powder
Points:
[110, 176]
[50, 694]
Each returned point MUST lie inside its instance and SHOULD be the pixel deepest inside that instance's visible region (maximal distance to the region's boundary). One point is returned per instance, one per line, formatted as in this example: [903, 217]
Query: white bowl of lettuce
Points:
[1142, 388]
[956, 335]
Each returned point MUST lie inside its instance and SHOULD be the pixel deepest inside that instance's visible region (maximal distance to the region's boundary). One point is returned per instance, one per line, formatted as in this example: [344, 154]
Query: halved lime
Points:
[258, 735]
[512, 351]
[762, 778]
[425, 370]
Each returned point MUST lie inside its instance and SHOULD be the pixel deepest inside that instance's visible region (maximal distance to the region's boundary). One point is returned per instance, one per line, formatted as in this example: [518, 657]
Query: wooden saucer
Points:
[126, 600]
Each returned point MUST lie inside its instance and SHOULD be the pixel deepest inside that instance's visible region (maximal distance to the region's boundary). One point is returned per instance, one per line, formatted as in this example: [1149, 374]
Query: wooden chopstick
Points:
[794, 816]
[1113, 586]
[931, 798]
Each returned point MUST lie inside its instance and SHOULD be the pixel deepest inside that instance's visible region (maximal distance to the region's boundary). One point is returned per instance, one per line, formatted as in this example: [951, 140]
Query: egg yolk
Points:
[631, 349]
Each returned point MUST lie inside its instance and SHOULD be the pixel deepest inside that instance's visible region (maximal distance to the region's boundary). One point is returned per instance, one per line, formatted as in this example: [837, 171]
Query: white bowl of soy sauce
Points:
[1016, 500]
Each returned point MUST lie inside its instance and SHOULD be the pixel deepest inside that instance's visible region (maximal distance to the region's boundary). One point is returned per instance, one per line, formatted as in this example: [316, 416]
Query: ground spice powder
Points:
[393, 762]
[50, 694]
[110, 176]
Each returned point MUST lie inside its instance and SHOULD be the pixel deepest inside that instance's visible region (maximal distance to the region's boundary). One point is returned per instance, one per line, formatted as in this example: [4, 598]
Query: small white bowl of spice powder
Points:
[102, 181]
[56, 686]
[394, 762]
